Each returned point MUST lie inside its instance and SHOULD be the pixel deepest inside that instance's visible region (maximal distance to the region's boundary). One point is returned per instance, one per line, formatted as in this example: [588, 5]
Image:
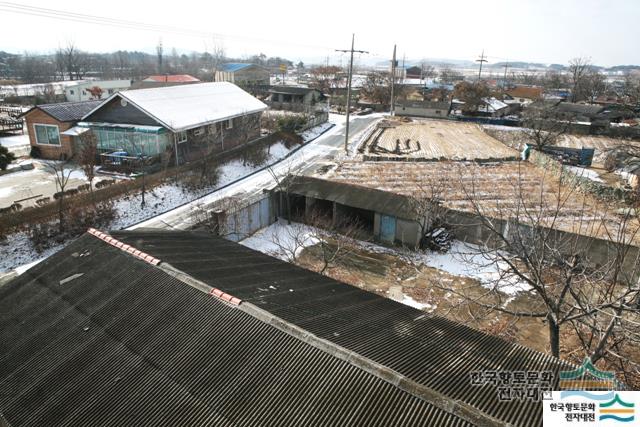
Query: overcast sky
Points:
[547, 31]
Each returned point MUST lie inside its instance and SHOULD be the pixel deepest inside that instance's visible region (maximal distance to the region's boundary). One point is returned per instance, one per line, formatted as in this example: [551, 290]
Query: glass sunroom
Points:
[135, 140]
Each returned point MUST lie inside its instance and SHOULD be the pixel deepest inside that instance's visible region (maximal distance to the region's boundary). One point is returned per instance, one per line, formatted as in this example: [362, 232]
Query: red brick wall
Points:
[49, 151]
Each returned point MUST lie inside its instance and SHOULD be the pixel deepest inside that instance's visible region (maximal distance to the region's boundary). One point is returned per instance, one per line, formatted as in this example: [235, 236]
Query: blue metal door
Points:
[387, 228]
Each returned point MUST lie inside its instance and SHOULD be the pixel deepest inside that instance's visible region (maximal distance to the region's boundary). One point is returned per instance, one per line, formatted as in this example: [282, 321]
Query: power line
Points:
[135, 25]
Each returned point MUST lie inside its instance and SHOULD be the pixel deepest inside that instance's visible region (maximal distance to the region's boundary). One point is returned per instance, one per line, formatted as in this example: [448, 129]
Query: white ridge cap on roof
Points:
[188, 106]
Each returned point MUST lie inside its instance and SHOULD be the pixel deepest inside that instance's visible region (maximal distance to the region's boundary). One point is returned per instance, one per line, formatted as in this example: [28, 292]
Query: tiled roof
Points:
[68, 111]
[173, 78]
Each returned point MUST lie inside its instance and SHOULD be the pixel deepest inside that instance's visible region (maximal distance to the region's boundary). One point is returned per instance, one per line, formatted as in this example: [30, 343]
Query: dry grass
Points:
[496, 187]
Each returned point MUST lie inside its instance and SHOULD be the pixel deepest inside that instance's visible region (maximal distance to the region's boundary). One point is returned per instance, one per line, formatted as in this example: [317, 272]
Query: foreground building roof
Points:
[201, 331]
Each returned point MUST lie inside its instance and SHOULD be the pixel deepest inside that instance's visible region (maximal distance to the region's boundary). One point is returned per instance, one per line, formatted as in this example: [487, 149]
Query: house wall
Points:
[80, 93]
[114, 112]
[247, 76]
[47, 151]
[422, 112]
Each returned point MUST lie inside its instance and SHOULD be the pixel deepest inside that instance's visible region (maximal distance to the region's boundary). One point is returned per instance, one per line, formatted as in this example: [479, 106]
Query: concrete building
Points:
[90, 90]
[242, 74]
[294, 98]
[423, 109]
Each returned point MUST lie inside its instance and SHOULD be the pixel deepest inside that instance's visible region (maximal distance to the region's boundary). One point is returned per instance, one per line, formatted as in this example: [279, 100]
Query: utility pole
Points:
[481, 60]
[351, 51]
[504, 79]
[393, 82]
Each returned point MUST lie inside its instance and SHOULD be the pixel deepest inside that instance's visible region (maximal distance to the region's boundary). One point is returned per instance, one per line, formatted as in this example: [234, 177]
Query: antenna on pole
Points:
[481, 60]
[351, 51]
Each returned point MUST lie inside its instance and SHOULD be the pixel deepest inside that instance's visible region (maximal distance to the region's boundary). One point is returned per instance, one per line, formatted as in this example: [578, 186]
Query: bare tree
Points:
[159, 51]
[326, 78]
[61, 171]
[284, 175]
[88, 156]
[568, 287]
[336, 241]
[216, 57]
[579, 69]
[543, 125]
[472, 94]
[448, 75]
[427, 71]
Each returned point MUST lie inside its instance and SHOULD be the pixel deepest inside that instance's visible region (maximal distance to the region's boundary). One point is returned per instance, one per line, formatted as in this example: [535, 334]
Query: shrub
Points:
[79, 219]
[291, 123]
[6, 157]
[35, 152]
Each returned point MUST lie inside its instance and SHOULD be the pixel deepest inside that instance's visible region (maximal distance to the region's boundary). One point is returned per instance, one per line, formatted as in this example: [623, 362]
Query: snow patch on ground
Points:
[584, 173]
[285, 242]
[463, 259]
[14, 140]
[504, 128]
[315, 132]
[467, 260]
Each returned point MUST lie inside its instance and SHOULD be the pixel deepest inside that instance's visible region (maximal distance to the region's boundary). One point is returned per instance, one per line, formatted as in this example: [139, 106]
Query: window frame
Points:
[181, 137]
[46, 125]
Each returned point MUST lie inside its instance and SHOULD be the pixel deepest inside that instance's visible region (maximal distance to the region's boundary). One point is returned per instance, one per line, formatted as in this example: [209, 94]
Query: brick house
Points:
[49, 127]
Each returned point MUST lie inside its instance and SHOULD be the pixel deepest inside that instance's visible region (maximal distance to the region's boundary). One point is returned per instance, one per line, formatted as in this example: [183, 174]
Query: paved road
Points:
[327, 147]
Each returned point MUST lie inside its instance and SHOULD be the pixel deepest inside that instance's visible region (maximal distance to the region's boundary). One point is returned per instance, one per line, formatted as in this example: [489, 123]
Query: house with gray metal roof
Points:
[181, 328]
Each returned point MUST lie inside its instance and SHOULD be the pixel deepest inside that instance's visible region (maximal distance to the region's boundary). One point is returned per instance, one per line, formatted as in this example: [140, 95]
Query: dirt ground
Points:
[434, 140]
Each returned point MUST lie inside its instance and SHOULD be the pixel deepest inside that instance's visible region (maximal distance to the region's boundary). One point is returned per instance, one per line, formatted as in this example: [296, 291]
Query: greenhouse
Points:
[133, 139]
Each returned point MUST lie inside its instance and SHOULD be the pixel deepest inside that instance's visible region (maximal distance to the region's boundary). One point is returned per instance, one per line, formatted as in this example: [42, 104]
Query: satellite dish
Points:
[123, 102]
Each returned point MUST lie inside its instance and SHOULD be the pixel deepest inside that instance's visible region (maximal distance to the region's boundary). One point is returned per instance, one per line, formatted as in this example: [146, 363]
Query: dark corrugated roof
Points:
[358, 196]
[93, 336]
[430, 350]
[69, 111]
